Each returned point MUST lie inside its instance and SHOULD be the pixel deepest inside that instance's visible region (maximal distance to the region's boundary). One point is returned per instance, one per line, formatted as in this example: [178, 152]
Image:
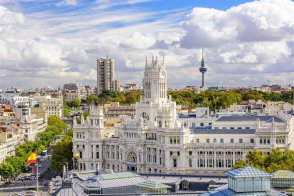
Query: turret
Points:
[154, 82]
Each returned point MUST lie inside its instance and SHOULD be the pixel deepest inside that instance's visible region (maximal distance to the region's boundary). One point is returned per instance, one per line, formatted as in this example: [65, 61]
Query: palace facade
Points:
[156, 140]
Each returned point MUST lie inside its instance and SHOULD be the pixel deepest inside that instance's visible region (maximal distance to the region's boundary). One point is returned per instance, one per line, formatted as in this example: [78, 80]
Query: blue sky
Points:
[51, 42]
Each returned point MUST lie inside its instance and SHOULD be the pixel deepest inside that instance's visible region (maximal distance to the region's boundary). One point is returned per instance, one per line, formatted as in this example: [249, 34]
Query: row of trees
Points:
[125, 98]
[219, 100]
[213, 99]
[276, 160]
[15, 163]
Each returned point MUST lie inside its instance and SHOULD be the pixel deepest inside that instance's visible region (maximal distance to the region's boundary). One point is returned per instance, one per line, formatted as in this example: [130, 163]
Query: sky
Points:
[52, 42]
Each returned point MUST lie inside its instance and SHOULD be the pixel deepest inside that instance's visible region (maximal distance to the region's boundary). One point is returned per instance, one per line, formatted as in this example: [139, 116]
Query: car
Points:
[27, 178]
[30, 193]
[20, 178]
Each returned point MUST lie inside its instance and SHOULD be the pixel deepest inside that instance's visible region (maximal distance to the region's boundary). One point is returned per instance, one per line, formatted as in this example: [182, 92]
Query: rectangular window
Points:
[207, 140]
[240, 141]
[190, 153]
[197, 140]
[232, 141]
[159, 124]
[252, 141]
[97, 155]
[221, 140]
[175, 163]
[214, 140]
[202, 124]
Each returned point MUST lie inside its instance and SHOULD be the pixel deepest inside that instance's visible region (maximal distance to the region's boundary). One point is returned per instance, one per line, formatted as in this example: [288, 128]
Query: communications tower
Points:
[202, 70]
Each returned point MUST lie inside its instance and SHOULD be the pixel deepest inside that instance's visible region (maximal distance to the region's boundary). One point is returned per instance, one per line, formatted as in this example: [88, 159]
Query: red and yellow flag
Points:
[32, 158]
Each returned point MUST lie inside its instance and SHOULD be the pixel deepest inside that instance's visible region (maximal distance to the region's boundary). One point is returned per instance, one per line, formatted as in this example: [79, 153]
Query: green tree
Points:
[132, 97]
[16, 162]
[255, 159]
[239, 164]
[92, 99]
[6, 170]
[252, 95]
[62, 152]
[76, 103]
[56, 121]
[85, 114]
[66, 110]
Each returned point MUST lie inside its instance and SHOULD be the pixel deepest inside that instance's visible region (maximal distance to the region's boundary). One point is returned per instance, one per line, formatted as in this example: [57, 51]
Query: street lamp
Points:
[75, 161]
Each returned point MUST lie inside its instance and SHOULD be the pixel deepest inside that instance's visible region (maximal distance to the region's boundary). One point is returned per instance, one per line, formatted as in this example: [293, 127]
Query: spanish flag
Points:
[32, 158]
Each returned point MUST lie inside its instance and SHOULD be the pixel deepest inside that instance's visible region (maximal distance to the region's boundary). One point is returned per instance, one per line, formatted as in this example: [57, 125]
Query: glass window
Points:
[190, 162]
[175, 162]
[214, 140]
[190, 153]
[240, 141]
[221, 140]
[232, 140]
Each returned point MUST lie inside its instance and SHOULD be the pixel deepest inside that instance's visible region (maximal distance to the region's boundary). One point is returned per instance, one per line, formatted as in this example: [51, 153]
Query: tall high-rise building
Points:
[105, 75]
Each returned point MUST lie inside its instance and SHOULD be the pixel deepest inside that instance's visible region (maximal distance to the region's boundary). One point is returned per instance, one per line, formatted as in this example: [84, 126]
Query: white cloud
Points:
[139, 41]
[244, 45]
[264, 20]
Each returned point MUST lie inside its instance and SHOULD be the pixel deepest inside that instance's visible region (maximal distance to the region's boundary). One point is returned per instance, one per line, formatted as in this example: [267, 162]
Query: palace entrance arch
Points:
[132, 162]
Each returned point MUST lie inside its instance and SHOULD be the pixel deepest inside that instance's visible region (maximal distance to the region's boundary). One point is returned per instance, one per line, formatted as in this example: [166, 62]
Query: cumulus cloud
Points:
[139, 41]
[245, 40]
[244, 45]
[264, 20]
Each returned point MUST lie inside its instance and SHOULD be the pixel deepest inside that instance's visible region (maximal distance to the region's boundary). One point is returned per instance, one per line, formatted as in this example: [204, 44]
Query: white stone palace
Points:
[156, 140]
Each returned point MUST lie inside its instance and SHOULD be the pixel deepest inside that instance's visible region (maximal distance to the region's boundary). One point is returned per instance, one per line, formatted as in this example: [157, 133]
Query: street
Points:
[20, 185]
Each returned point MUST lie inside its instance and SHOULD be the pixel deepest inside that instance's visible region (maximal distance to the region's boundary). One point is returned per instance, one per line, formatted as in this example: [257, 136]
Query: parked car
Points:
[27, 178]
[20, 178]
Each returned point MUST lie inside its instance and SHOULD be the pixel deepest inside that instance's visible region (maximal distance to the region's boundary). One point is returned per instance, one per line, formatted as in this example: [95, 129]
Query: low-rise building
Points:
[50, 106]
[70, 95]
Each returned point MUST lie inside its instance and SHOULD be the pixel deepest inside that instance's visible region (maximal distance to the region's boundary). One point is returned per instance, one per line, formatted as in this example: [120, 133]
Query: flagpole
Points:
[37, 174]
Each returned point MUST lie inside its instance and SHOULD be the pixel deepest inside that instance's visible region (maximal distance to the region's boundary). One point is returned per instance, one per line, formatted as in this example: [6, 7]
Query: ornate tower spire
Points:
[146, 62]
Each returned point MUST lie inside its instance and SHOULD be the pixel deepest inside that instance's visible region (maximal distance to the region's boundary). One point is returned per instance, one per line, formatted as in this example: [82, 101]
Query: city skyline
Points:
[56, 42]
